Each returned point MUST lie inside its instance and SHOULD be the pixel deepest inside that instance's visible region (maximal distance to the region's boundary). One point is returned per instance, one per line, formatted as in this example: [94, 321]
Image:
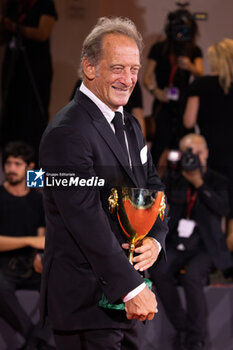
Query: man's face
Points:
[15, 170]
[199, 148]
[115, 76]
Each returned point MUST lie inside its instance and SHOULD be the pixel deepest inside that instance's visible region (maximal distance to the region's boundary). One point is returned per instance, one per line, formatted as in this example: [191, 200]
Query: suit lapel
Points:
[105, 131]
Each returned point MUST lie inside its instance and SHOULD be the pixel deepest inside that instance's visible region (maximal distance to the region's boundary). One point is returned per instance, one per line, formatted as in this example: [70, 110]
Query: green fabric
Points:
[105, 303]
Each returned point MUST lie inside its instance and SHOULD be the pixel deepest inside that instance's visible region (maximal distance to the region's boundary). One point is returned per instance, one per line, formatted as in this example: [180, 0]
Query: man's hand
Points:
[142, 307]
[194, 177]
[148, 253]
[37, 263]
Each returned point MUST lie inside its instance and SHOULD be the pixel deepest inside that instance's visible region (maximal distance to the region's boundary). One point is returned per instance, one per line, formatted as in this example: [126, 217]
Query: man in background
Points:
[198, 199]
[22, 230]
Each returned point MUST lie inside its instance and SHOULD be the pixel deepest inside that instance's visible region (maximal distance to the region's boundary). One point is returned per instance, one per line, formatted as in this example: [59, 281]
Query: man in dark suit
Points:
[83, 254]
[195, 244]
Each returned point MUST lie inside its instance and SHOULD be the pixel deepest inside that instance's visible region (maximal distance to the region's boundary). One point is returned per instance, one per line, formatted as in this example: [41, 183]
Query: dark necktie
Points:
[119, 132]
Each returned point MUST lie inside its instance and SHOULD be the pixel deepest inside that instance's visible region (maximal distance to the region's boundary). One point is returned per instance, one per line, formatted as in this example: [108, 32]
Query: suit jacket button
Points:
[102, 281]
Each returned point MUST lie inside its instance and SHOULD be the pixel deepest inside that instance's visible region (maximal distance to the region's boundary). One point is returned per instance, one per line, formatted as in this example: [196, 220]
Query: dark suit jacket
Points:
[83, 257]
[211, 204]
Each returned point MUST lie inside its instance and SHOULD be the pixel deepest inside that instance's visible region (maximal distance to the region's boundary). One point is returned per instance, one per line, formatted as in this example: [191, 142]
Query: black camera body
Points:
[180, 26]
[185, 161]
[189, 161]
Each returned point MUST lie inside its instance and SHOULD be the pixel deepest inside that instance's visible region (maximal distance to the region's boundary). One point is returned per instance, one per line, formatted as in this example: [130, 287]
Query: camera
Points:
[189, 161]
[185, 161]
[181, 26]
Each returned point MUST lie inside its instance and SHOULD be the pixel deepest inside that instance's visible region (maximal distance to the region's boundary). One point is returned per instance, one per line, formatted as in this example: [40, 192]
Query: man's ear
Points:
[89, 69]
[31, 166]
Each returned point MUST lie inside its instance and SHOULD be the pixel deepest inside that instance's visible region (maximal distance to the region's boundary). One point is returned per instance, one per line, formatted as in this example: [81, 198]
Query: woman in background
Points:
[210, 105]
[170, 65]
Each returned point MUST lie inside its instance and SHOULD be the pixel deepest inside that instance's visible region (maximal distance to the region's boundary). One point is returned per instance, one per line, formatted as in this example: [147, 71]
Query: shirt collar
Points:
[107, 112]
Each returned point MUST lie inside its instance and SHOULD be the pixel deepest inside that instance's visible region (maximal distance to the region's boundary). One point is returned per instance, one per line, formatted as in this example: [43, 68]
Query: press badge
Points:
[185, 227]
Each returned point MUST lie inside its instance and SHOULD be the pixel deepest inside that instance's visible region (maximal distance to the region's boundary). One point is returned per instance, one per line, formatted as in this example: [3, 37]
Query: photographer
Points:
[170, 65]
[198, 199]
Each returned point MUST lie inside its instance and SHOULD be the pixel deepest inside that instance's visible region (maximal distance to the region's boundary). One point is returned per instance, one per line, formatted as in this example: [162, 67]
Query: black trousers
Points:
[11, 310]
[102, 339]
[197, 268]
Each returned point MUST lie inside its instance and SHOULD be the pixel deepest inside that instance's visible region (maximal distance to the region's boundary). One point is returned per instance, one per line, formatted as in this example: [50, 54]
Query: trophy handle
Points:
[162, 207]
[131, 251]
[113, 200]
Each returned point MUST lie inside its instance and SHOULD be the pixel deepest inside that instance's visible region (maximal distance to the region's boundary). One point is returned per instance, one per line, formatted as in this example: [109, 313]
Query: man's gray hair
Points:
[92, 46]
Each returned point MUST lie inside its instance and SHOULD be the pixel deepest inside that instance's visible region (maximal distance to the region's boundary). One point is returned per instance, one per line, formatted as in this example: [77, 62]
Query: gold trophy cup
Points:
[137, 210]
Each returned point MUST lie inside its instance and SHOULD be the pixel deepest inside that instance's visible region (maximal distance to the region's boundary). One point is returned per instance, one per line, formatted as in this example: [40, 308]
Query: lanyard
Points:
[190, 201]
[23, 10]
[173, 68]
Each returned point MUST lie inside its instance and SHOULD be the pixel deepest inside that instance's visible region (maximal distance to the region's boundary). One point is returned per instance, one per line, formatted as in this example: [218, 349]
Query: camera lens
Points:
[190, 161]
